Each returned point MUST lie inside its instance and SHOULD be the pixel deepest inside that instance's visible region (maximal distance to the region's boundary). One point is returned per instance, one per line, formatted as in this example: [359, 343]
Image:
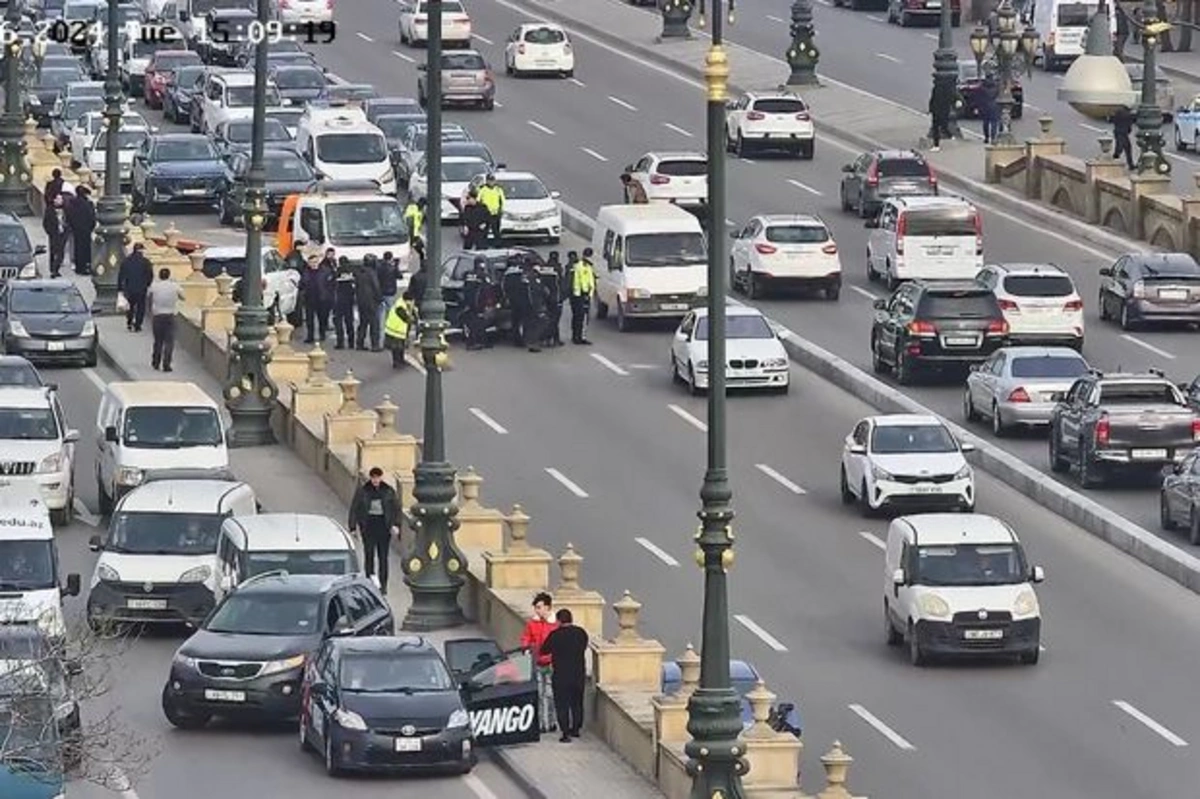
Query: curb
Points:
[109, 360]
[1159, 554]
[1177, 72]
[517, 774]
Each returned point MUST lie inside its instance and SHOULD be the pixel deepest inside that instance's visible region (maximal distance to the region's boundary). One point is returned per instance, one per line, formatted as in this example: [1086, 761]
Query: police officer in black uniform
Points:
[537, 301]
[345, 296]
[551, 276]
[472, 318]
[515, 297]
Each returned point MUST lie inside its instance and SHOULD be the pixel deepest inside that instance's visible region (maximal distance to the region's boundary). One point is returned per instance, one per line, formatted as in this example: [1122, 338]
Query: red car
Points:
[161, 65]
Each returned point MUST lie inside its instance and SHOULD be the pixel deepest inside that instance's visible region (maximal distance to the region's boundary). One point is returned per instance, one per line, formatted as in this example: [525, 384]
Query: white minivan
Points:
[154, 425]
[651, 262]
[925, 238]
[1063, 25]
[295, 543]
[959, 584]
[341, 144]
[158, 559]
[30, 592]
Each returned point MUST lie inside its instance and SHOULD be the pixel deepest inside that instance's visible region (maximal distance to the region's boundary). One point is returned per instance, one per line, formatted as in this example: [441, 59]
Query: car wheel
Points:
[1058, 464]
[332, 766]
[137, 201]
[693, 389]
[104, 501]
[808, 149]
[754, 286]
[956, 21]
[863, 211]
[833, 292]
[739, 147]
[904, 370]
[489, 104]
[892, 635]
[842, 196]
[1179, 145]
[1164, 513]
[872, 275]
[1030, 656]
[969, 412]
[904, 19]
[1103, 308]
[180, 719]
[999, 429]
[64, 517]
[570, 73]
[1089, 474]
[847, 494]
[1194, 529]
[893, 282]
[1126, 321]
[305, 744]
[623, 323]
[224, 216]
[878, 365]
[916, 655]
[601, 309]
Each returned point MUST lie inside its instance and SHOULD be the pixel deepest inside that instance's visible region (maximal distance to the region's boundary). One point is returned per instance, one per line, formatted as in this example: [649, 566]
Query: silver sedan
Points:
[1019, 386]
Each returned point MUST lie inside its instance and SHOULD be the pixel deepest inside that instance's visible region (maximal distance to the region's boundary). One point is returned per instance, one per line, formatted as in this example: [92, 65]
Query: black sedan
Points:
[349, 93]
[47, 321]
[234, 136]
[245, 52]
[298, 83]
[40, 98]
[376, 107]
[286, 173]
[177, 96]
[971, 88]
[177, 168]
[454, 273]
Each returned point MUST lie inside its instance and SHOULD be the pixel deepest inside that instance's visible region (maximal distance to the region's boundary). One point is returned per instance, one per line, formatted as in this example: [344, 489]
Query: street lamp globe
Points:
[1096, 86]
[1030, 40]
[979, 42]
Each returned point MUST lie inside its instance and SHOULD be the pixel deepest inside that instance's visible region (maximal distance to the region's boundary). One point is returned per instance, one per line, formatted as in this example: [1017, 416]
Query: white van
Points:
[959, 584]
[353, 224]
[925, 238]
[341, 144]
[154, 425]
[295, 543]
[651, 262]
[158, 559]
[30, 592]
[1063, 27]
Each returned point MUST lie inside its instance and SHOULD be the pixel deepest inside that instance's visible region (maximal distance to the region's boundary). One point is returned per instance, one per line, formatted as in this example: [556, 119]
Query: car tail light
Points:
[1073, 305]
[659, 180]
[1007, 305]
[933, 180]
[803, 116]
[521, 48]
[264, 284]
[1196, 430]
[1103, 431]
[1018, 395]
[756, 115]
[488, 78]
[901, 230]
[766, 249]
[329, 4]
[922, 329]
[285, 3]
[873, 174]
[829, 249]
[1139, 289]
[997, 327]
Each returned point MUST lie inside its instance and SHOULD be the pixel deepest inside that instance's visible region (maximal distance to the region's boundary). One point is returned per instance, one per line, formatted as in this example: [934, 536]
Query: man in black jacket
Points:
[81, 219]
[133, 280]
[389, 274]
[375, 515]
[474, 220]
[58, 232]
[369, 296]
[567, 646]
[1122, 121]
[345, 296]
[537, 299]
[316, 287]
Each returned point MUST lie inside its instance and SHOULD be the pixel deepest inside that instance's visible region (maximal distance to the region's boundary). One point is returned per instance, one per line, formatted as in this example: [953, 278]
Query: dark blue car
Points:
[744, 677]
[177, 169]
[177, 97]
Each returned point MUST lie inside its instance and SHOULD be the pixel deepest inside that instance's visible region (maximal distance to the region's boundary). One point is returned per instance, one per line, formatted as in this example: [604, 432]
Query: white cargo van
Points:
[925, 238]
[30, 592]
[651, 262]
[1063, 27]
[353, 224]
[341, 144]
[295, 543]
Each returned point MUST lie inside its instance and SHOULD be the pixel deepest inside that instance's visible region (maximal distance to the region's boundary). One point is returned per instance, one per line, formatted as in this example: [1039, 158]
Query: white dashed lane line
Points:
[677, 129]
[540, 126]
[1147, 346]
[594, 154]
[482, 416]
[805, 187]
[1150, 723]
[364, 36]
[567, 482]
[779, 478]
[887, 57]
[887, 732]
[609, 365]
[870, 295]
[622, 103]
[657, 551]
[873, 539]
[687, 417]
[483, 39]
[760, 633]
[404, 56]
[577, 82]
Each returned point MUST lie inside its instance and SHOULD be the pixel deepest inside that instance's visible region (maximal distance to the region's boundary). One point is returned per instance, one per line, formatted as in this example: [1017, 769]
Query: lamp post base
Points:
[250, 394]
[803, 76]
[14, 188]
[433, 565]
[110, 214]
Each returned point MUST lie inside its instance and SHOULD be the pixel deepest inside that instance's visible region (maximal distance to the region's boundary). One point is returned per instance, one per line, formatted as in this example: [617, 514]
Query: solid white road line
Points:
[577, 82]
[477, 785]
[622, 103]
[887, 57]
[1093, 128]
[1147, 346]
[609, 365]
[95, 379]
[779, 20]
[762, 634]
[930, 36]
[1153, 725]
[499, 104]
[404, 56]
[687, 417]
[364, 36]
[84, 515]
[540, 126]
[593, 153]
[489, 421]
[875, 18]
[873, 539]
[677, 129]
[567, 482]
[883, 729]
[1176, 157]
[826, 3]
[870, 295]
[731, 223]
[483, 39]
[779, 478]
[657, 551]
[805, 187]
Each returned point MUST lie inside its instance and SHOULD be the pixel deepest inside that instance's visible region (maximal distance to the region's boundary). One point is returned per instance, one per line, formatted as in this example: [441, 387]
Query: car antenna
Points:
[296, 525]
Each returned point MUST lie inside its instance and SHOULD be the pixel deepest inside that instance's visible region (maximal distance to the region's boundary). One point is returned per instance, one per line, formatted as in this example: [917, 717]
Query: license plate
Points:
[194, 192]
[675, 306]
[213, 695]
[1173, 294]
[56, 346]
[983, 635]
[546, 63]
[939, 250]
[146, 604]
[927, 489]
[408, 744]
[1148, 454]
[961, 341]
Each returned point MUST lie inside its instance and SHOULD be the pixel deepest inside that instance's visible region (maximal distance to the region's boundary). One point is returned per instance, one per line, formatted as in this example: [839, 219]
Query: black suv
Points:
[18, 255]
[948, 324]
[247, 659]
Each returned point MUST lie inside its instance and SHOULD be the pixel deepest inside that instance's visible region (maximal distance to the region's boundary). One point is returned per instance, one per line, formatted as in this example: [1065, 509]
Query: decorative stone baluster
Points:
[689, 672]
[837, 772]
[283, 338]
[318, 366]
[218, 317]
[171, 234]
[349, 424]
[518, 530]
[1106, 147]
[517, 565]
[390, 450]
[760, 700]
[469, 484]
[224, 291]
[286, 367]
[570, 563]
[670, 711]
[86, 176]
[387, 412]
[65, 158]
[197, 259]
[773, 757]
[629, 661]
[272, 341]
[627, 609]
[149, 227]
[349, 385]
[479, 527]
[48, 141]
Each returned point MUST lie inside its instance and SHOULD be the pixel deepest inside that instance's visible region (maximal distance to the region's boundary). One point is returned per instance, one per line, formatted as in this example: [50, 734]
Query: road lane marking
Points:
[594, 154]
[687, 417]
[887, 57]
[364, 36]
[930, 36]
[540, 126]
[622, 103]
[1176, 156]
[404, 56]
[826, 3]
[873, 540]
[567, 482]
[887, 732]
[762, 634]
[1093, 128]
[415, 362]
[805, 187]
[609, 365]
[577, 82]
[84, 515]
[875, 18]
[483, 39]
[1148, 346]
[731, 223]
[657, 551]
[677, 129]
[489, 421]
[1150, 723]
[95, 379]
[779, 478]
[870, 295]
[779, 20]
[1037, 108]
[498, 104]
[478, 787]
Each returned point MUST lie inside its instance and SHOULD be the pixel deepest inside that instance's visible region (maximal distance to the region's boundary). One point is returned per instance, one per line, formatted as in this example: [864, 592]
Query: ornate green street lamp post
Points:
[433, 566]
[249, 391]
[1149, 116]
[1010, 50]
[675, 16]
[802, 54]
[14, 181]
[111, 210]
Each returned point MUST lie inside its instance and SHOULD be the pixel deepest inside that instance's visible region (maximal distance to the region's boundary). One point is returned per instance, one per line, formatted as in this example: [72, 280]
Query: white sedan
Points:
[457, 174]
[754, 355]
[281, 284]
[530, 209]
[414, 23]
[83, 133]
[785, 251]
[906, 462]
[129, 141]
[539, 47]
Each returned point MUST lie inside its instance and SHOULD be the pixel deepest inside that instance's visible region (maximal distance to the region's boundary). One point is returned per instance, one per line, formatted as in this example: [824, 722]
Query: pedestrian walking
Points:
[54, 222]
[163, 299]
[345, 297]
[375, 516]
[552, 276]
[537, 300]
[536, 631]
[54, 187]
[400, 319]
[491, 196]
[316, 287]
[389, 274]
[583, 286]
[567, 645]
[989, 109]
[941, 101]
[474, 219]
[1122, 37]
[635, 192]
[134, 277]
[1122, 122]
[417, 254]
[369, 295]
[416, 286]
[81, 220]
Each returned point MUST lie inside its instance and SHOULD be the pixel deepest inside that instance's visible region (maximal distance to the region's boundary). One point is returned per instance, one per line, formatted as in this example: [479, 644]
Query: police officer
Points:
[583, 286]
[515, 297]
[401, 316]
[491, 197]
[551, 277]
[414, 217]
[475, 289]
[475, 220]
[345, 297]
[388, 273]
[368, 295]
[536, 303]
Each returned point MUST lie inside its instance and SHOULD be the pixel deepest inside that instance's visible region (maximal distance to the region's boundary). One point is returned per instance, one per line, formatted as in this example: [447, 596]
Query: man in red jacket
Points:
[534, 635]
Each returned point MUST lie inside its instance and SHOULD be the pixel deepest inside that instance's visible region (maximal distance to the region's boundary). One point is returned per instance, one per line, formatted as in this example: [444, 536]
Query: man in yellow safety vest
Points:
[414, 217]
[400, 318]
[583, 286]
[491, 197]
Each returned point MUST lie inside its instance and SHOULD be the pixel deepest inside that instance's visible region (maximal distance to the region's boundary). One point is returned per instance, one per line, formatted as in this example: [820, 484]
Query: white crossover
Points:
[129, 141]
[38, 447]
[1039, 302]
[754, 355]
[414, 23]
[785, 251]
[539, 48]
[679, 178]
[777, 120]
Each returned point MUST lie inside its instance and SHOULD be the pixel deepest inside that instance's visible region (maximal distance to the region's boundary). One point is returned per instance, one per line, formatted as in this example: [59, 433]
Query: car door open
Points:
[500, 692]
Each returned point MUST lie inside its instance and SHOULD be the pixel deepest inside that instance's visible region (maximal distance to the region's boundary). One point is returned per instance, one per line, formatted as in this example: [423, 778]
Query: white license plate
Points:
[213, 695]
[546, 63]
[961, 341]
[927, 489]
[408, 744]
[146, 604]
[939, 250]
[983, 635]
[194, 192]
[675, 306]
[1148, 454]
[56, 346]
[1173, 294]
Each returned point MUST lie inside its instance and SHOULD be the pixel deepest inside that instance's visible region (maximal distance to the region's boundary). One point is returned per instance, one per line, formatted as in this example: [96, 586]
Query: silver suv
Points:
[875, 176]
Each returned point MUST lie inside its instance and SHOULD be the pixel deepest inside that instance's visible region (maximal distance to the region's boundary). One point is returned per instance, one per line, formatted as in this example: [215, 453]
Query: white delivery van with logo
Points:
[30, 592]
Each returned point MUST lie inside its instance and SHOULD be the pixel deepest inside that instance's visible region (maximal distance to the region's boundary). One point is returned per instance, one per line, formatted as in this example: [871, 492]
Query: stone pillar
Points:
[774, 757]
[837, 770]
[198, 291]
[1144, 186]
[1040, 147]
[998, 156]
[517, 565]
[480, 527]
[670, 711]
[1101, 166]
[318, 395]
[387, 448]
[628, 661]
[171, 235]
[286, 367]
[218, 316]
[586, 606]
[349, 422]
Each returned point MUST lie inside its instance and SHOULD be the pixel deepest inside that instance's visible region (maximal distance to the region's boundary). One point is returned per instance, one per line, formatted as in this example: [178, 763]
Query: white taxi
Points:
[1039, 302]
[539, 47]
[414, 23]
[754, 355]
[129, 141]
[785, 251]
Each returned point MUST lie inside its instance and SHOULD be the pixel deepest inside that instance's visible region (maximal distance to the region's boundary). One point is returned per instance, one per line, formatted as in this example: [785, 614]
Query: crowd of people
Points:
[69, 219]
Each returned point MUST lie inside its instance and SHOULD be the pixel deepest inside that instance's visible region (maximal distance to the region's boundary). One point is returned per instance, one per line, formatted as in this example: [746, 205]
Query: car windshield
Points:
[14, 239]
[970, 564]
[366, 222]
[524, 189]
[56, 77]
[334, 561]
[19, 374]
[900, 439]
[350, 92]
[299, 78]
[290, 117]
[172, 427]
[145, 49]
[466, 62]
[197, 149]
[260, 613]
[78, 106]
[185, 77]
[665, 249]
[351, 148]
[1075, 15]
[1039, 285]
[737, 326]
[797, 234]
[27, 565]
[243, 132]
[47, 301]
[468, 149]
[397, 127]
[780, 105]
[234, 265]
[545, 36]
[243, 96]
[902, 168]
[164, 533]
[31, 744]
[465, 171]
[688, 168]
[287, 167]
[1139, 394]
[1049, 366]
[126, 139]
[86, 90]
[28, 424]
[387, 673]
[971, 304]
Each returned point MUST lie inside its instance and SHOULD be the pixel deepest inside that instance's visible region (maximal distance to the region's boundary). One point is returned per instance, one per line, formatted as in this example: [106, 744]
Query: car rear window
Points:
[797, 234]
[941, 222]
[903, 168]
[463, 61]
[1138, 393]
[958, 305]
[689, 168]
[1039, 286]
[1051, 366]
[545, 36]
[778, 105]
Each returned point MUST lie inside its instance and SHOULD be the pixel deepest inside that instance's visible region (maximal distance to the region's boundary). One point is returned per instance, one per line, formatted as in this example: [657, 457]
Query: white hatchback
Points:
[754, 355]
[785, 251]
[300, 11]
[539, 47]
[679, 178]
[414, 23]
[1039, 301]
[129, 141]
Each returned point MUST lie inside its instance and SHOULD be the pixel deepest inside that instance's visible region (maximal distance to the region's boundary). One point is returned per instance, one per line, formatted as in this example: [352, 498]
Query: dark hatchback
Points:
[875, 176]
[348, 93]
[395, 129]
[18, 372]
[47, 320]
[247, 659]
[177, 94]
[298, 83]
[18, 255]
[177, 169]
[286, 173]
[227, 28]
[1143, 288]
[49, 83]
[942, 325]
[377, 107]
[235, 136]
[971, 88]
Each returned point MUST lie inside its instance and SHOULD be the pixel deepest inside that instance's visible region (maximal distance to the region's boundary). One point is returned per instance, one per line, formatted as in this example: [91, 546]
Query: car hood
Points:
[96, 158]
[966, 598]
[231, 646]
[25, 450]
[53, 324]
[744, 349]
[201, 456]
[212, 168]
[26, 606]
[396, 710]
[920, 465]
[16, 258]
[138, 568]
[286, 187]
[545, 206]
[29, 785]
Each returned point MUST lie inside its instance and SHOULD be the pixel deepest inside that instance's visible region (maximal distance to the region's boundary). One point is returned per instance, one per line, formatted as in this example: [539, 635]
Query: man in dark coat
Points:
[516, 298]
[54, 186]
[416, 287]
[54, 222]
[474, 219]
[941, 102]
[133, 280]
[537, 301]
[81, 219]
[552, 277]
[1123, 121]
[989, 109]
[388, 273]
[567, 646]
[345, 297]
[369, 296]
[316, 287]
[375, 515]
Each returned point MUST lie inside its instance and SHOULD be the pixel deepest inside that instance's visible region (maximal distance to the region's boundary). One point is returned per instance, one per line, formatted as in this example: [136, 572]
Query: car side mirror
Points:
[343, 627]
[879, 305]
[629, 168]
[73, 585]
[899, 577]
[422, 67]
[71, 437]
[871, 224]
[110, 434]
[94, 543]
[966, 447]
[1106, 271]
[556, 194]
[39, 249]
[1037, 574]
[301, 243]
[857, 449]
[974, 367]
[184, 16]
[848, 168]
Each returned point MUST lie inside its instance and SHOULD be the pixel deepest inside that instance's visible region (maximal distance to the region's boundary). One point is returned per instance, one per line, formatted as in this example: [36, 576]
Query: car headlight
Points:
[458, 718]
[28, 270]
[51, 622]
[89, 329]
[775, 363]
[33, 100]
[638, 294]
[17, 329]
[934, 606]
[51, 463]
[130, 476]
[880, 473]
[184, 662]
[1026, 604]
[349, 720]
[701, 366]
[287, 664]
[963, 473]
[197, 574]
[107, 574]
[702, 291]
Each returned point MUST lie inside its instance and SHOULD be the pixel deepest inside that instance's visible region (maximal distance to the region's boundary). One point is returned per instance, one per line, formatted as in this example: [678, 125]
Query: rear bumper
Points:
[1026, 413]
[1146, 311]
[1126, 457]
